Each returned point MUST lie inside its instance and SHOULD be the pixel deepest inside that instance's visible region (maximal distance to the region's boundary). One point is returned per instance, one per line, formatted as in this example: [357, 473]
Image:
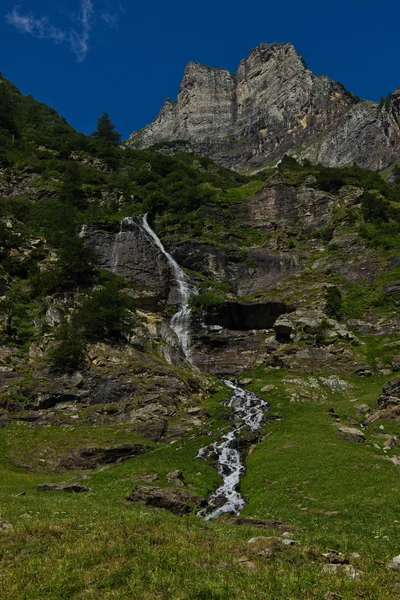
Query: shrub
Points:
[330, 180]
[333, 302]
[104, 314]
[69, 354]
[204, 300]
[374, 208]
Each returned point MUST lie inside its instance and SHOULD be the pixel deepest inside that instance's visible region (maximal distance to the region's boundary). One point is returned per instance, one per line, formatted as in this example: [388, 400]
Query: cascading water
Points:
[180, 322]
[249, 409]
[83, 232]
[117, 246]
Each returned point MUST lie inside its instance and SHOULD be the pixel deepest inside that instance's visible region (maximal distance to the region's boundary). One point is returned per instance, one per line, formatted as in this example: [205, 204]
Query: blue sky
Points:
[83, 57]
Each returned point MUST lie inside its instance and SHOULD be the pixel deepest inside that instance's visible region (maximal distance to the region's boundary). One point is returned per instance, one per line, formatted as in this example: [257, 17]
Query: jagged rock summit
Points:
[274, 105]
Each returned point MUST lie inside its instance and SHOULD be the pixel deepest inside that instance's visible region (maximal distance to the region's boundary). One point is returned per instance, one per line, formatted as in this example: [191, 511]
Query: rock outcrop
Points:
[177, 501]
[125, 250]
[274, 105]
[92, 458]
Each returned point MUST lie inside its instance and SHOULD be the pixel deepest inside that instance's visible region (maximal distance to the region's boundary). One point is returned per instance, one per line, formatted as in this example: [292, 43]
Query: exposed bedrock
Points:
[231, 337]
[279, 205]
[247, 270]
[125, 250]
[273, 103]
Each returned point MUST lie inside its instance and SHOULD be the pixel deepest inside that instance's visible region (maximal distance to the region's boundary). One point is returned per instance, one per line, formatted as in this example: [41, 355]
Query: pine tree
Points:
[106, 130]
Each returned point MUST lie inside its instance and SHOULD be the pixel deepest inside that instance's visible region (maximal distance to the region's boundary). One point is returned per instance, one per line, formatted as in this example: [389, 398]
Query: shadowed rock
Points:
[179, 502]
[264, 523]
[62, 487]
[91, 458]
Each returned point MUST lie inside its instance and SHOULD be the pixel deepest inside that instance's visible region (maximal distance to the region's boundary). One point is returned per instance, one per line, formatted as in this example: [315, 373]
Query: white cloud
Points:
[40, 28]
[111, 20]
[77, 37]
[79, 40]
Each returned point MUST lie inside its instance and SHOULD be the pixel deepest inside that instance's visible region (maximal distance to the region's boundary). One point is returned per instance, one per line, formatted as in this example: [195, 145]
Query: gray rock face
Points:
[365, 135]
[127, 251]
[272, 104]
[279, 205]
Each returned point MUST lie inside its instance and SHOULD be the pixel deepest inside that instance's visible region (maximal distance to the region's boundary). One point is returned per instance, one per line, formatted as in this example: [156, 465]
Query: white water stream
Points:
[249, 410]
[180, 322]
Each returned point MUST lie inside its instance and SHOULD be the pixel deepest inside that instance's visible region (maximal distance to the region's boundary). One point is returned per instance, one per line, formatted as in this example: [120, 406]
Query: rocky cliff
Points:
[274, 105]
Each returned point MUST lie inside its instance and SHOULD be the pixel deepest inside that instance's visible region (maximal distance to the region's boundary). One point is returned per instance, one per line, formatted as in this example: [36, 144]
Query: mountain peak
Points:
[273, 105]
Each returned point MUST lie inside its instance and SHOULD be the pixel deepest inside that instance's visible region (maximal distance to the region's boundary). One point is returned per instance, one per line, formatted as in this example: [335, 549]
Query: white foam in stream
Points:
[249, 409]
[180, 322]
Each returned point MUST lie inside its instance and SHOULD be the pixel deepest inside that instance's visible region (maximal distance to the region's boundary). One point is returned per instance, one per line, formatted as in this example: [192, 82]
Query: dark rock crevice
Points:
[244, 317]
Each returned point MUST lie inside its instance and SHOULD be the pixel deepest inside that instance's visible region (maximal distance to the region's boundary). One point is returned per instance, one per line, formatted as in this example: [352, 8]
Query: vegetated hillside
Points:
[298, 274]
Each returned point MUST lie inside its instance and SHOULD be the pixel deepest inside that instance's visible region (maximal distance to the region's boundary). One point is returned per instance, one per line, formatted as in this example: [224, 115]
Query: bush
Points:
[333, 302]
[288, 163]
[374, 208]
[104, 314]
[204, 301]
[330, 180]
[69, 354]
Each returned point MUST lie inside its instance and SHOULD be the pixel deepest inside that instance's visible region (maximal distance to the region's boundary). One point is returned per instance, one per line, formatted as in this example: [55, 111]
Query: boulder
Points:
[396, 364]
[76, 488]
[351, 433]
[274, 539]
[395, 563]
[147, 477]
[92, 458]
[179, 502]
[264, 523]
[348, 570]
[363, 370]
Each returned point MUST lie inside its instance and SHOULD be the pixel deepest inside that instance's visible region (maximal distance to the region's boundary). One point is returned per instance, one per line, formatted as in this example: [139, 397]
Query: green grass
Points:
[338, 493]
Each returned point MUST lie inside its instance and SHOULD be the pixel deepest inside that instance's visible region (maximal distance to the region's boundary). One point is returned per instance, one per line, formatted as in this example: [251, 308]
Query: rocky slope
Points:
[274, 105]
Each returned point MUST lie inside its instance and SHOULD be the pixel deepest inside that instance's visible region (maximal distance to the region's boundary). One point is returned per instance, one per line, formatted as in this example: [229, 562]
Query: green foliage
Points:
[396, 174]
[76, 264]
[71, 191]
[104, 314]
[330, 180]
[374, 208]
[8, 125]
[15, 318]
[333, 302]
[205, 300]
[288, 163]
[106, 131]
[68, 355]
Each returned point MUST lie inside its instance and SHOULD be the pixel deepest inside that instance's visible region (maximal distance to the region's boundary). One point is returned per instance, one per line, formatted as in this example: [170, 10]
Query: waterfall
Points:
[83, 232]
[180, 322]
[117, 246]
[249, 409]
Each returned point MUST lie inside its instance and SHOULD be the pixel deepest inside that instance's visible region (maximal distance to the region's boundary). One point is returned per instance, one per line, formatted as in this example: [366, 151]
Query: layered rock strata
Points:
[274, 105]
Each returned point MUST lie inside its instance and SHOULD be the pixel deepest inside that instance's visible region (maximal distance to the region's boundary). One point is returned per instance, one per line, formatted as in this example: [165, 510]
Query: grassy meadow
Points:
[341, 495]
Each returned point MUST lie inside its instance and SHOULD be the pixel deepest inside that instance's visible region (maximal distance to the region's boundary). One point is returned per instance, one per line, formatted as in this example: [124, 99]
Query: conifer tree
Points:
[106, 130]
